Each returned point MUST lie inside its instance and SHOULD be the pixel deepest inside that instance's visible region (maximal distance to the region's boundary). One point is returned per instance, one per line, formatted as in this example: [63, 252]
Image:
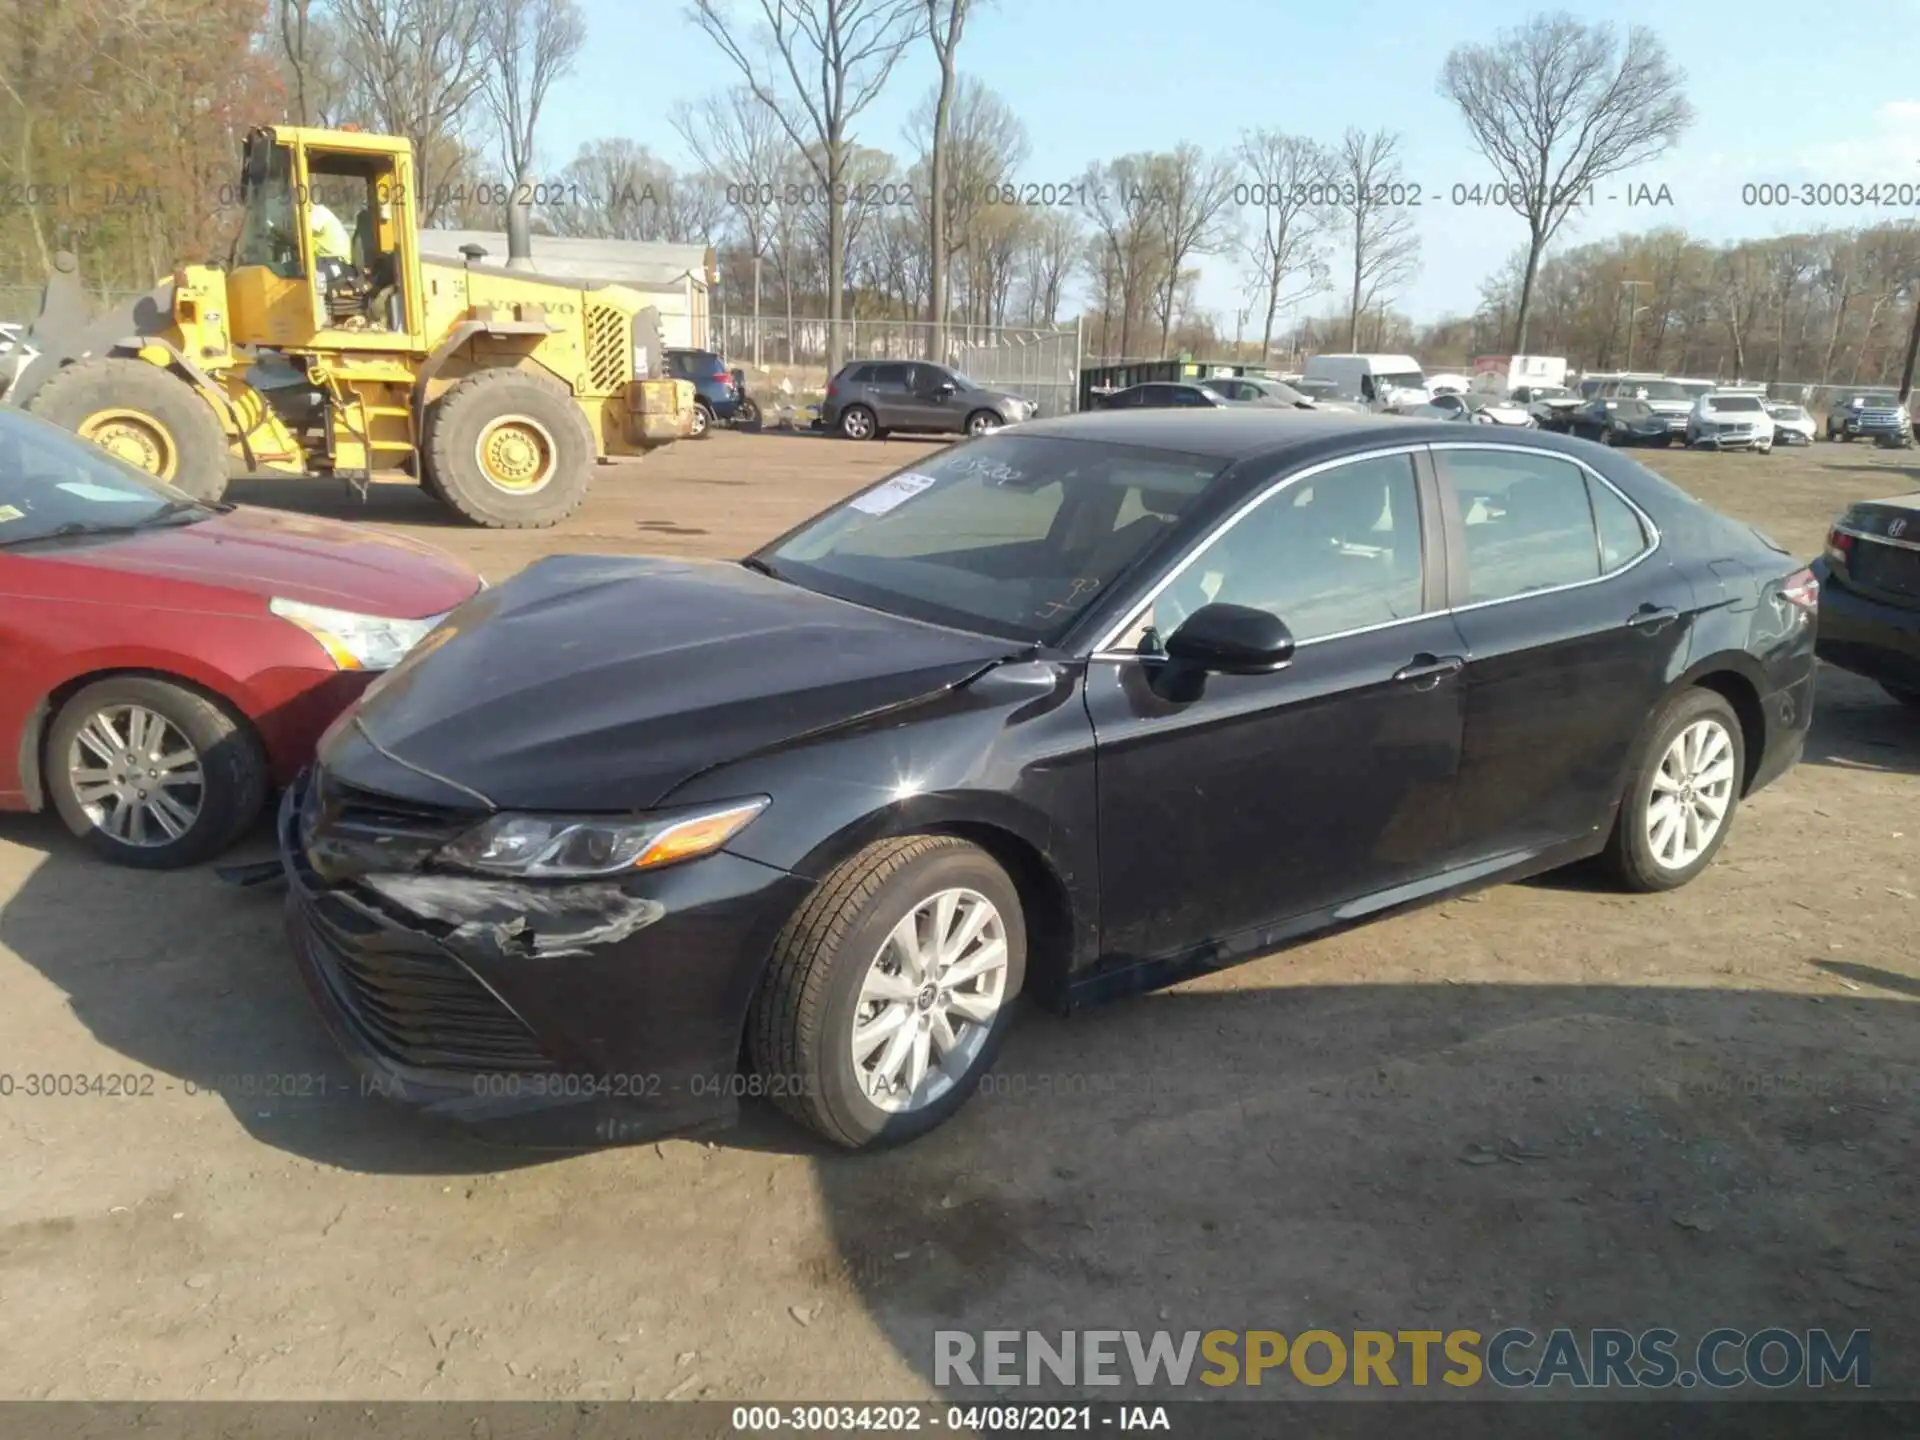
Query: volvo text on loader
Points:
[497, 388]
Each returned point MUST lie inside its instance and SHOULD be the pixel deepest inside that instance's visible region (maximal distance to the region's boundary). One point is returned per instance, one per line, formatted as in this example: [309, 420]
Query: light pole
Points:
[1633, 287]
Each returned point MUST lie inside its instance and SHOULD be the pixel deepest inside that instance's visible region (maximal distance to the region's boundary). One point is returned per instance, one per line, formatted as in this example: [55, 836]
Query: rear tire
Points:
[147, 416]
[1663, 782]
[857, 423]
[702, 421]
[509, 450]
[225, 754]
[800, 1030]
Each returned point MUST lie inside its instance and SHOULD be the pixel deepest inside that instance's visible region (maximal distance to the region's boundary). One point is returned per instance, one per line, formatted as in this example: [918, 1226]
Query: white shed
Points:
[676, 278]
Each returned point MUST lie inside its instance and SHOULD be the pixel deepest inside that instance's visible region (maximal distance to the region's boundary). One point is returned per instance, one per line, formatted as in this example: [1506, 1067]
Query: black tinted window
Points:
[1526, 521]
[1190, 395]
[889, 375]
[1622, 536]
[858, 374]
[1335, 553]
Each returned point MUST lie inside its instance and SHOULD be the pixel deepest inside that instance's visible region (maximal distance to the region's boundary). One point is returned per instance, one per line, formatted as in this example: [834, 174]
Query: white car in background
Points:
[1721, 421]
[1792, 425]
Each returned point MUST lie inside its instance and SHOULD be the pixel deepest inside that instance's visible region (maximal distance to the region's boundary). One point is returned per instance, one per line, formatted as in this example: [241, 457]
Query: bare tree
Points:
[822, 63]
[417, 64]
[1557, 106]
[529, 45]
[614, 189]
[739, 139]
[1052, 254]
[310, 53]
[1123, 206]
[1379, 226]
[944, 23]
[1194, 191]
[1286, 175]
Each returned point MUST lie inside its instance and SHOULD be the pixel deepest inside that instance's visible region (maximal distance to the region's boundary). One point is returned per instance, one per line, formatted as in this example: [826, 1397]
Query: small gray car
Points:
[869, 398]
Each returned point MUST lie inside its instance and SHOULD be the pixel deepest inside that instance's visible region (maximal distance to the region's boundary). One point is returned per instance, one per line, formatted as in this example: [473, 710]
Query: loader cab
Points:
[328, 254]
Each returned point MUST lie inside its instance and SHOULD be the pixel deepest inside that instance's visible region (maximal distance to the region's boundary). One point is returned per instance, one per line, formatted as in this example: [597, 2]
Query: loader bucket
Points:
[62, 331]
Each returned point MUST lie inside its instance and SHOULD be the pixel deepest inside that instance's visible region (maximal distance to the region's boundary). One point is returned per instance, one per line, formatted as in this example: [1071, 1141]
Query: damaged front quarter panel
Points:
[508, 918]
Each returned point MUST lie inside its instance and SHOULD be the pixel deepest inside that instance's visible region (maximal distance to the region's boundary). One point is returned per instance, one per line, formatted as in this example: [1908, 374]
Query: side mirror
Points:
[945, 388]
[1231, 640]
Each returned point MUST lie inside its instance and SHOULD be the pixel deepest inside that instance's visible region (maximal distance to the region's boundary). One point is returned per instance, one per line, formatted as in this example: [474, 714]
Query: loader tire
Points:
[509, 450]
[146, 416]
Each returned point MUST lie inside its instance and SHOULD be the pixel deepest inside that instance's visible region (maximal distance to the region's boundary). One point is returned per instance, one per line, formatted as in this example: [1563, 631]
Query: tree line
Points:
[120, 123]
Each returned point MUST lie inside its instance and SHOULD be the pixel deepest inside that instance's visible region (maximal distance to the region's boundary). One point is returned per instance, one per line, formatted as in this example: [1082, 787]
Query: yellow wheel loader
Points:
[496, 388]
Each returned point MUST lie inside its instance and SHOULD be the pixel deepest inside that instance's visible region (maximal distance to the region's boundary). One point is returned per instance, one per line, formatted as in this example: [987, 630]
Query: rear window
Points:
[1736, 402]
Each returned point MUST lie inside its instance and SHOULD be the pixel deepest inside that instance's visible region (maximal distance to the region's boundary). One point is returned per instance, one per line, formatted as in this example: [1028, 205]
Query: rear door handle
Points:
[1427, 671]
[1651, 617]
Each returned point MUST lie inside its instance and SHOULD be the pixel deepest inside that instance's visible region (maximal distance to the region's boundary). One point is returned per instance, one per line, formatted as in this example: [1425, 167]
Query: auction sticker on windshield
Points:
[898, 490]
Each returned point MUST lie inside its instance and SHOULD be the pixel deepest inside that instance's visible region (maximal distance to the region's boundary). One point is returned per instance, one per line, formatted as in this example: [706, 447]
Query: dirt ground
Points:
[1547, 1105]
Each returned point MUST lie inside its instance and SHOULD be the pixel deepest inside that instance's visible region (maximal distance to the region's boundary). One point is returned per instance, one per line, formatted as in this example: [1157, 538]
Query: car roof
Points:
[1254, 433]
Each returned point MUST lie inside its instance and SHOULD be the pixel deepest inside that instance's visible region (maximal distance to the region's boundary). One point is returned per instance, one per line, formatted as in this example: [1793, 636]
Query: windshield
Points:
[268, 235]
[1661, 390]
[1632, 409]
[1012, 535]
[1549, 392]
[1277, 390]
[1696, 388]
[1787, 412]
[1411, 380]
[1736, 402]
[54, 484]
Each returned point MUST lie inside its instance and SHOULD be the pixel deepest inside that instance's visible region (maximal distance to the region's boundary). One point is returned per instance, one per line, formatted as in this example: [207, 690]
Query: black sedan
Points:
[1621, 422]
[1870, 594]
[1071, 712]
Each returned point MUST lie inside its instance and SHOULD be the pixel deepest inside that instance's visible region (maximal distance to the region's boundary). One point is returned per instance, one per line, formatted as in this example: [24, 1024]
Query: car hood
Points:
[263, 553]
[602, 683]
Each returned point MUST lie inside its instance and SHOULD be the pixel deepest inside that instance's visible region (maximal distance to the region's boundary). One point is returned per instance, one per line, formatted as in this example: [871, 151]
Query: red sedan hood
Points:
[319, 562]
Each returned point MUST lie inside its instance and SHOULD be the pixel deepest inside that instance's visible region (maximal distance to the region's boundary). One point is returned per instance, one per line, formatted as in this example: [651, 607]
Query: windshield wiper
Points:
[761, 567]
[74, 529]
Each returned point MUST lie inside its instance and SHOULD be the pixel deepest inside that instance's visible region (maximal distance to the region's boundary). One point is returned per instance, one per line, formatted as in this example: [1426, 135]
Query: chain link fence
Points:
[789, 356]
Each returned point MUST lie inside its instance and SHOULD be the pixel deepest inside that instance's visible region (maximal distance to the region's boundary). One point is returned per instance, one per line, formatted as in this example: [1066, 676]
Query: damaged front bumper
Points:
[543, 1014]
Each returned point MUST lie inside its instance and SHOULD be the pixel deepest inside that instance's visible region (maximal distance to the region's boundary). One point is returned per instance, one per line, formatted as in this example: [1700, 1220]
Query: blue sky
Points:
[1783, 93]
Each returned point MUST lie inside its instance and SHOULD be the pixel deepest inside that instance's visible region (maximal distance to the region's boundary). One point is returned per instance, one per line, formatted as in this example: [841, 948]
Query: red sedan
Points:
[164, 663]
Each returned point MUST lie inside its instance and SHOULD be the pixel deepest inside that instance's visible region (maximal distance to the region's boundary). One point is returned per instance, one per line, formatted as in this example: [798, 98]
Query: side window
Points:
[861, 374]
[1525, 519]
[1188, 395]
[1156, 395]
[1622, 536]
[893, 377]
[1335, 553]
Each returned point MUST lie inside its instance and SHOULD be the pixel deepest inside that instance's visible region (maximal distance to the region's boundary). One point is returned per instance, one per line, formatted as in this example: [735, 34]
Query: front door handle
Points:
[1653, 617]
[1426, 671]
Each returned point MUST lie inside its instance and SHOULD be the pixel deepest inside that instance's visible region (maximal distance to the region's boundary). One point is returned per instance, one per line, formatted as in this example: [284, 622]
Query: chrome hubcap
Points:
[929, 999]
[136, 776]
[1691, 792]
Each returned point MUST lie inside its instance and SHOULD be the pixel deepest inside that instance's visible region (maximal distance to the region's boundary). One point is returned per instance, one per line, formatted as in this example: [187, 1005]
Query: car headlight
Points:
[577, 846]
[356, 642]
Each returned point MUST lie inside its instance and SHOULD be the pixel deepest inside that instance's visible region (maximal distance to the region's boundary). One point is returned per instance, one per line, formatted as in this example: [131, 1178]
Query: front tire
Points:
[1681, 797]
[509, 450]
[152, 775]
[146, 416]
[982, 422]
[890, 990]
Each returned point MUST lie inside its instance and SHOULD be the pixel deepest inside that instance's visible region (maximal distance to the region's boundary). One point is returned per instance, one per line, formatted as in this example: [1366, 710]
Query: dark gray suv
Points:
[868, 398]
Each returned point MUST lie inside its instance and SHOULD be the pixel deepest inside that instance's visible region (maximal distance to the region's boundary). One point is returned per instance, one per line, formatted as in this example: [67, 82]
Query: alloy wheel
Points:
[929, 1000]
[982, 424]
[856, 424]
[137, 777]
[1691, 792]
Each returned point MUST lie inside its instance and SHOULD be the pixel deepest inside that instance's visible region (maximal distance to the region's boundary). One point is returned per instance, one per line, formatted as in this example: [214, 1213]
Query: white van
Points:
[1377, 380]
